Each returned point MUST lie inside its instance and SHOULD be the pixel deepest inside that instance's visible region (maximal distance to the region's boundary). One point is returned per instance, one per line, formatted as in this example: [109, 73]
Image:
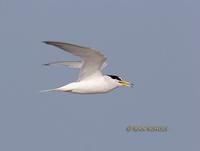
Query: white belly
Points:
[91, 86]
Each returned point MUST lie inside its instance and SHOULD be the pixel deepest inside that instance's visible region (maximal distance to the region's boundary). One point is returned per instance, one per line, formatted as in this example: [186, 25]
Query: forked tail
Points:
[49, 90]
[66, 88]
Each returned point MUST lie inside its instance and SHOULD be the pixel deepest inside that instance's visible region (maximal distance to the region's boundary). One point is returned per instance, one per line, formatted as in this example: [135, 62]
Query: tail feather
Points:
[49, 90]
[65, 88]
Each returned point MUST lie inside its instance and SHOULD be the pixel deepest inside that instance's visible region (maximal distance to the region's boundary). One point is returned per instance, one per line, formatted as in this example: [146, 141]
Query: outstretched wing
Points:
[70, 64]
[92, 60]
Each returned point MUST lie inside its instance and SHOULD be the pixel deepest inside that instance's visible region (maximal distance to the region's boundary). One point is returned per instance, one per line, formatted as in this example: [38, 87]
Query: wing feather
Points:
[93, 61]
[70, 64]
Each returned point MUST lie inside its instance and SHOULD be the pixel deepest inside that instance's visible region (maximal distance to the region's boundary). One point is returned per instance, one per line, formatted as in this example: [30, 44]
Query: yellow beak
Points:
[125, 83]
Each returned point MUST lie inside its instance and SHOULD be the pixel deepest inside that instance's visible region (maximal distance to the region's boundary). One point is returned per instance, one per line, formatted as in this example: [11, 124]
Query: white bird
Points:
[91, 80]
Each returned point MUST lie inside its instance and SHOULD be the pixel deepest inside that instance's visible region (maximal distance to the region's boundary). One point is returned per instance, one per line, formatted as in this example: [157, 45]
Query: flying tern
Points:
[91, 80]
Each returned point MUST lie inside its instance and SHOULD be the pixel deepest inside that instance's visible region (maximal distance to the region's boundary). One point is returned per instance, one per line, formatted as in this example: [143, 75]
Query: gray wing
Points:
[70, 64]
[92, 60]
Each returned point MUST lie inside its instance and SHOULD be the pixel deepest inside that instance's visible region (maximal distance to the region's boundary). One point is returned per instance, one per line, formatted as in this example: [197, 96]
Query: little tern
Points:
[91, 80]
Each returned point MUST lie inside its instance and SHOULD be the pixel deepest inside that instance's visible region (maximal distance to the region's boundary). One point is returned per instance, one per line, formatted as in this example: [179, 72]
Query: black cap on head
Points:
[115, 77]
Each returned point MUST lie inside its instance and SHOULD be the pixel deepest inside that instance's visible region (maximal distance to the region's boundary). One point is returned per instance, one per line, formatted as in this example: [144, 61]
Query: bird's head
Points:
[119, 81]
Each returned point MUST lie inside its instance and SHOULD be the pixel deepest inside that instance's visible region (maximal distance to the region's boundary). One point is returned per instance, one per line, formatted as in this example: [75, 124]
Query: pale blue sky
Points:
[153, 43]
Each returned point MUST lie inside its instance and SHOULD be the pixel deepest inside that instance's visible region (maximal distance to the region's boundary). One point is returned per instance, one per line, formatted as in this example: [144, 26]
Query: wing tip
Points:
[46, 64]
[54, 43]
[57, 43]
[46, 42]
